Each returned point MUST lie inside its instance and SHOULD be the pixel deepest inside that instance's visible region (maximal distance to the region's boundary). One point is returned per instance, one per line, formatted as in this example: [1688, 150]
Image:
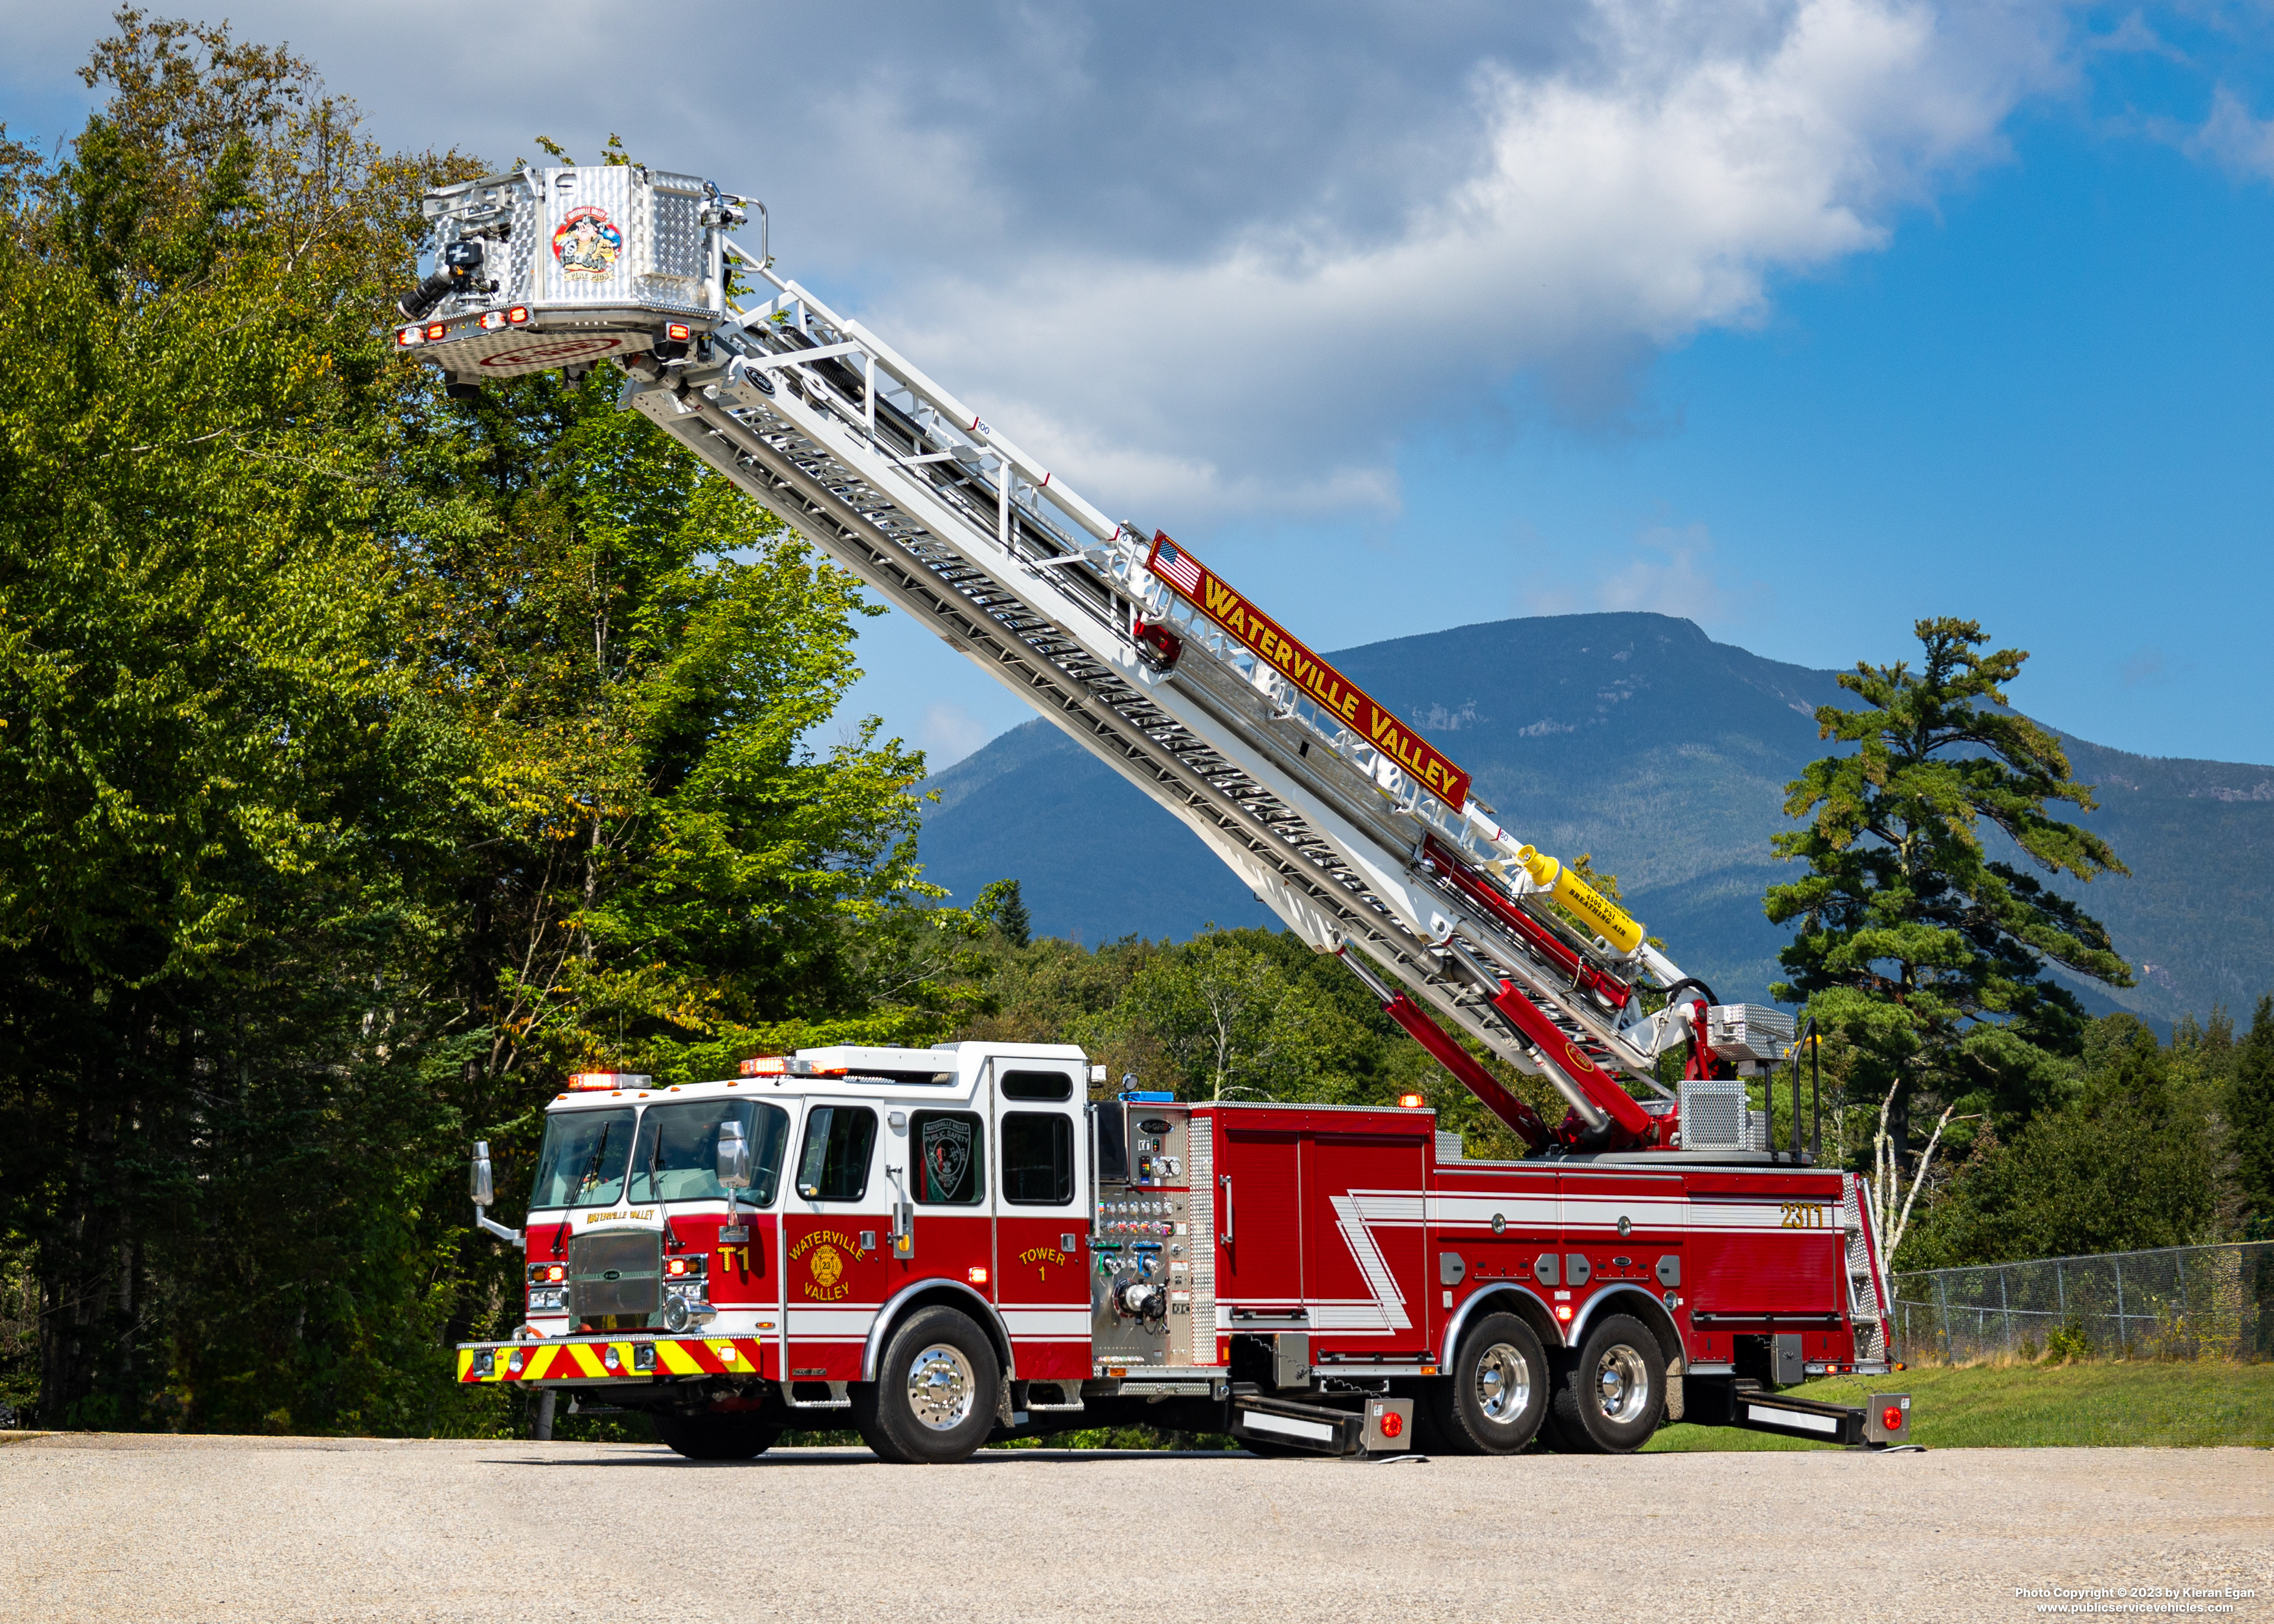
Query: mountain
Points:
[1639, 738]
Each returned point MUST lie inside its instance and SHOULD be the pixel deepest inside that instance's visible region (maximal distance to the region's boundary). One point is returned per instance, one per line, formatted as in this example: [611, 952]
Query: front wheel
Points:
[714, 1435]
[934, 1398]
[1492, 1400]
[1609, 1398]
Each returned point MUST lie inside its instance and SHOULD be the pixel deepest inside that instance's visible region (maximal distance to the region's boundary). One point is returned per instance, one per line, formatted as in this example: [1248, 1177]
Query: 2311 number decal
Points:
[1803, 1215]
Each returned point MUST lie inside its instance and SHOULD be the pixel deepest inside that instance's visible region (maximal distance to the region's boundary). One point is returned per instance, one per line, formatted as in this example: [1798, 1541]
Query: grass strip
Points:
[2097, 1403]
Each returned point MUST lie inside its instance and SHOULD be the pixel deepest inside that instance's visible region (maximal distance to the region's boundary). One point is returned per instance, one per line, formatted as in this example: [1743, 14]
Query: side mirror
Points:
[733, 1156]
[483, 1189]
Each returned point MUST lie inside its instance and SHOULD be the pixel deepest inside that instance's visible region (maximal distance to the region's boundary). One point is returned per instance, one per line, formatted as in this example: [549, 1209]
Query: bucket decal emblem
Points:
[587, 242]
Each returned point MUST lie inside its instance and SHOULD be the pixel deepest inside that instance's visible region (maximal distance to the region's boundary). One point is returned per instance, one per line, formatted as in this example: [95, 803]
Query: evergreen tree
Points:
[1010, 917]
[2127, 1163]
[2250, 1121]
[1925, 949]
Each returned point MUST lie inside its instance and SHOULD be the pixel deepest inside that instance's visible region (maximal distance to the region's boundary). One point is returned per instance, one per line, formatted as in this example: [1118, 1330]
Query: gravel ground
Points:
[230, 1530]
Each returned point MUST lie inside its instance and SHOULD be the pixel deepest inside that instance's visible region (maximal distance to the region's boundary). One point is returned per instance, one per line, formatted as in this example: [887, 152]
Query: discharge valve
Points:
[1142, 1299]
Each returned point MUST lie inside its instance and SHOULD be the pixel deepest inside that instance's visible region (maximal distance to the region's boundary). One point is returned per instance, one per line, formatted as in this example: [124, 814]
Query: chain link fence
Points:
[2176, 1303]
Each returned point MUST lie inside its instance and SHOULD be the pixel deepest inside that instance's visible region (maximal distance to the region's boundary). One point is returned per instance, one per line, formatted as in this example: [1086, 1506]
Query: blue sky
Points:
[1802, 318]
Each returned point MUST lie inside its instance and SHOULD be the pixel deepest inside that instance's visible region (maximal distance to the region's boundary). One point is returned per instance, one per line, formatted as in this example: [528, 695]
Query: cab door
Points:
[834, 1213]
[1042, 1216]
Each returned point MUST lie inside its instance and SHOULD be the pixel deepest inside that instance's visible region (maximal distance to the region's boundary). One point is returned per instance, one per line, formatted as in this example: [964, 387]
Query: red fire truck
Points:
[943, 1246]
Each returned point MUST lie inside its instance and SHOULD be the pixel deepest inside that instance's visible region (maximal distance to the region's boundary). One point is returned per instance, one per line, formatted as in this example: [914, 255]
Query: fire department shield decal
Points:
[947, 1155]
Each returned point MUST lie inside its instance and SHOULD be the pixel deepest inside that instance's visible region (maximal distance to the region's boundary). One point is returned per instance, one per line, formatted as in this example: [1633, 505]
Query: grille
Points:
[1713, 1114]
[633, 1257]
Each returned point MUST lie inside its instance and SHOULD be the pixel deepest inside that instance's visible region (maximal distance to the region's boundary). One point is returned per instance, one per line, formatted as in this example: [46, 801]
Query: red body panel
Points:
[1347, 1227]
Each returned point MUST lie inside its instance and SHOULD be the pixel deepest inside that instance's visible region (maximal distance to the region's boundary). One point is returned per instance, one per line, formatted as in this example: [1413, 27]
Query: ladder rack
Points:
[898, 482]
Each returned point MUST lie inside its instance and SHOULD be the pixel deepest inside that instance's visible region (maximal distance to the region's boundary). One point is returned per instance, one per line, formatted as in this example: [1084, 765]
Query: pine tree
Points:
[1010, 916]
[1929, 954]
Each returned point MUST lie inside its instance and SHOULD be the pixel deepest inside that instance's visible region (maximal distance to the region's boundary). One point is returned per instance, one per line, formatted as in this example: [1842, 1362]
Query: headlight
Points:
[548, 1299]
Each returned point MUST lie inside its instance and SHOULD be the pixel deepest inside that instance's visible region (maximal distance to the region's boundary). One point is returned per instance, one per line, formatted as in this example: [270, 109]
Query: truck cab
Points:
[748, 1245]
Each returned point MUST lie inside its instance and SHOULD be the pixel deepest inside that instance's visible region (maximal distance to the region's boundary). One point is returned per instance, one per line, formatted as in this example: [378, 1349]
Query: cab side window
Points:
[950, 1149]
[1037, 1159]
[834, 1164]
[1037, 1086]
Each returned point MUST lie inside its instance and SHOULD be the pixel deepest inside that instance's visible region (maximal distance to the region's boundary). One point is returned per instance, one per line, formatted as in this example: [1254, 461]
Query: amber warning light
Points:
[585, 1080]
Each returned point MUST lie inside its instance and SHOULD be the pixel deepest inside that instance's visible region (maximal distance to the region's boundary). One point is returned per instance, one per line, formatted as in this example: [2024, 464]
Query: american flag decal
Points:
[1174, 567]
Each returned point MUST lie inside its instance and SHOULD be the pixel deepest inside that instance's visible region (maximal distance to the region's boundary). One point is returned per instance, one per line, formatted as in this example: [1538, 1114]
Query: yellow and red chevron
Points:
[548, 1361]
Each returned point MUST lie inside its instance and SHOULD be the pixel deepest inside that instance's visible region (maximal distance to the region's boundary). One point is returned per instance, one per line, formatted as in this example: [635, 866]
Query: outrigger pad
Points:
[1277, 1425]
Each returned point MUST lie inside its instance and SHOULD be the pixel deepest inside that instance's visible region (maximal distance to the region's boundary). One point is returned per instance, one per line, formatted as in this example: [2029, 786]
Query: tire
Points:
[1494, 1397]
[715, 1435]
[1426, 1438]
[936, 1392]
[1611, 1396]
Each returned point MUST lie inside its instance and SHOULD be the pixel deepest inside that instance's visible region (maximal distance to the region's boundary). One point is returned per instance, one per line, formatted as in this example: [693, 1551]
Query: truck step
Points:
[1313, 1427]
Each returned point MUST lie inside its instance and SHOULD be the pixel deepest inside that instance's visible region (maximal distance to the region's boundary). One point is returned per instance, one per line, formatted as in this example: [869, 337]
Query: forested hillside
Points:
[374, 759]
[378, 757]
[1636, 738]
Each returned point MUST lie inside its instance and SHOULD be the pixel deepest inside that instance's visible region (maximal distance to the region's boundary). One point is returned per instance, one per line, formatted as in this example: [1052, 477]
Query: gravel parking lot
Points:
[228, 1531]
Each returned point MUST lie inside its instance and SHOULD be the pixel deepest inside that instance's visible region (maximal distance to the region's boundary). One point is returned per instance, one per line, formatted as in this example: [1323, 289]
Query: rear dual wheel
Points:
[1493, 1399]
[1607, 1399]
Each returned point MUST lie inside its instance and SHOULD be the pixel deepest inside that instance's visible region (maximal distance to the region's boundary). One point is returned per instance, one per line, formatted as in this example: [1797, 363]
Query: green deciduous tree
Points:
[229, 804]
[1236, 1026]
[2249, 1112]
[1915, 939]
[374, 757]
[2126, 1164]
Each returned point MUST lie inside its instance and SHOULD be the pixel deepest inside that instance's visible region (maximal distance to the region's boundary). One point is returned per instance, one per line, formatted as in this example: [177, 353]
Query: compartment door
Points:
[1258, 1186]
[1363, 1245]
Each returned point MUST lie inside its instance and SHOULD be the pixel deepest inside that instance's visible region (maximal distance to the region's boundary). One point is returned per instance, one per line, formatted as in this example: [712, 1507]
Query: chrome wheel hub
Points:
[941, 1387]
[1503, 1384]
[1622, 1384]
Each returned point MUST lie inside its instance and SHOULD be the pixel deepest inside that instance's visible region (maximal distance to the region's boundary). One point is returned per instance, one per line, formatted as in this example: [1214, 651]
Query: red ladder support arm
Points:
[1637, 1124]
[1447, 1052]
[1613, 992]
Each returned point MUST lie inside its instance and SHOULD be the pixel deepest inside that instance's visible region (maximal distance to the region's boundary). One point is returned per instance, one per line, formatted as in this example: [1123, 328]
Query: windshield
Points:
[677, 1159]
[582, 1161]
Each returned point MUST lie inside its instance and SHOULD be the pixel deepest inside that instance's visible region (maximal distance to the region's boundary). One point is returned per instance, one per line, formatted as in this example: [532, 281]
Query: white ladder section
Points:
[826, 426]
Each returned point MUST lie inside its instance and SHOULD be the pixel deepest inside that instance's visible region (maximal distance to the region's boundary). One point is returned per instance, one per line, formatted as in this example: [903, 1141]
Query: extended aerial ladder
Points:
[1340, 817]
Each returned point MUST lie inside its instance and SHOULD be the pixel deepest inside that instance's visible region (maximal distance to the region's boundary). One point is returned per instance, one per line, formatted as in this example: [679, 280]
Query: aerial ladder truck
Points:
[1355, 829]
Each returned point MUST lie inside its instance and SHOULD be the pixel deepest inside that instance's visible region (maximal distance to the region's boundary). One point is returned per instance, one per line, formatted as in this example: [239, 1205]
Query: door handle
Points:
[1224, 1187]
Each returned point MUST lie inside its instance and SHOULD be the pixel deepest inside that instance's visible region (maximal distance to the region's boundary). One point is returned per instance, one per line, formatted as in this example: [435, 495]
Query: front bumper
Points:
[585, 1360]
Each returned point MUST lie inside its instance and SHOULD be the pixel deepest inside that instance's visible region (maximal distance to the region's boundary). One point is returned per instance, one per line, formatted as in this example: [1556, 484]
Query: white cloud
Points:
[1676, 579]
[2233, 138]
[1643, 197]
[948, 733]
[1215, 259]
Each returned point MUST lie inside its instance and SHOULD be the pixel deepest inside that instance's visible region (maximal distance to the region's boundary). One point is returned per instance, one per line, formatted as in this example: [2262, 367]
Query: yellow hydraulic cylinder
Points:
[1609, 919]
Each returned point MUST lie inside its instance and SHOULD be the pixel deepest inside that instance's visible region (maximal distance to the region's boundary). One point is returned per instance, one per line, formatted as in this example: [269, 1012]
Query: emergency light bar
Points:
[786, 1065]
[581, 1081]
